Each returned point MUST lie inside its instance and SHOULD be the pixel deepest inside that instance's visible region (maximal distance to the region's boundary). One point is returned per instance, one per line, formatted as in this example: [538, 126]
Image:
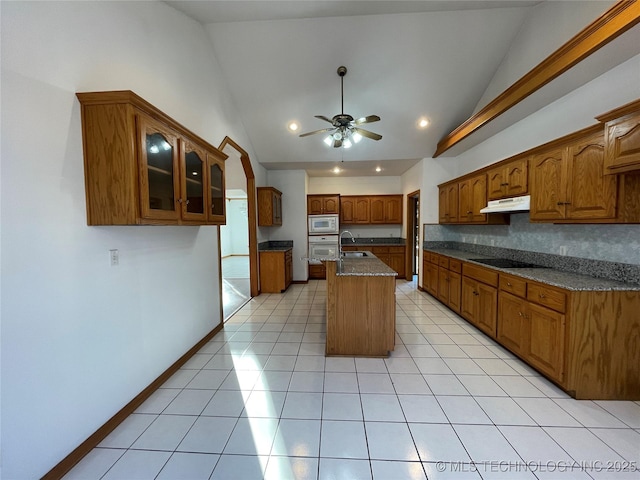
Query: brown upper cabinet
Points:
[622, 139]
[371, 209]
[323, 204]
[269, 206]
[508, 180]
[448, 206]
[567, 183]
[472, 196]
[141, 167]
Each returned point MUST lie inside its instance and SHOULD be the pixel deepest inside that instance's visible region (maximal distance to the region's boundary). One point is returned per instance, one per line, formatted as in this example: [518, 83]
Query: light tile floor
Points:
[261, 401]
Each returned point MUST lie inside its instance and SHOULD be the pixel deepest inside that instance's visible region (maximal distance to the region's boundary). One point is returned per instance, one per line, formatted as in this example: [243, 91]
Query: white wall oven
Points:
[322, 246]
[324, 225]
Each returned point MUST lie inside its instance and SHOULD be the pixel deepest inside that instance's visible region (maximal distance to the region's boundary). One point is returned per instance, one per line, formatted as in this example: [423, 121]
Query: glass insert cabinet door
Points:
[193, 168]
[216, 189]
[159, 175]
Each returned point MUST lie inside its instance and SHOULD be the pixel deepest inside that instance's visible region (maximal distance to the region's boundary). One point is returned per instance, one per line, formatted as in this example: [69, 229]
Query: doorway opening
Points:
[413, 235]
[237, 240]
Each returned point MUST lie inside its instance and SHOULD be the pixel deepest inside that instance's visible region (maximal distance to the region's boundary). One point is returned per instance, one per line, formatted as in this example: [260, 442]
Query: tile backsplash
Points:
[612, 243]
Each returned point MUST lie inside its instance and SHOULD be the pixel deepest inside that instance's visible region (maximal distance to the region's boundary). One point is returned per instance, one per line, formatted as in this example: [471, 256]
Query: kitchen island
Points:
[361, 307]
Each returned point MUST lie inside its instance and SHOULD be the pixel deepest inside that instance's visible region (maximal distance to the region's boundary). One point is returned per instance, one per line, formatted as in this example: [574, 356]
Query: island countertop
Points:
[369, 266]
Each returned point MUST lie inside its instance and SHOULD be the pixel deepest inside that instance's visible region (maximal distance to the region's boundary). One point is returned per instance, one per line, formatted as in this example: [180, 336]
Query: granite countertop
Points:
[275, 246]
[369, 266]
[374, 241]
[550, 276]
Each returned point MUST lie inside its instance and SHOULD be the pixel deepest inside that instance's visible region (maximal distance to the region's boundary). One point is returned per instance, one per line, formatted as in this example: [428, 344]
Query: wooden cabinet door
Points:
[216, 187]
[465, 206]
[546, 344]
[362, 214]
[347, 209]
[496, 183]
[478, 198]
[455, 280]
[513, 327]
[159, 170]
[516, 177]
[487, 305]
[277, 207]
[590, 193]
[314, 205]
[288, 268]
[469, 299]
[548, 185]
[331, 204]
[432, 279]
[452, 203]
[393, 209]
[443, 208]
[397, 263]
[443, 285]
[622, 142]
[193, 175]
[377, 210]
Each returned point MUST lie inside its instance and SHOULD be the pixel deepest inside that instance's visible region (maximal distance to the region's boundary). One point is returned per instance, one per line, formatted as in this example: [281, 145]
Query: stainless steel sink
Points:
[354, 254]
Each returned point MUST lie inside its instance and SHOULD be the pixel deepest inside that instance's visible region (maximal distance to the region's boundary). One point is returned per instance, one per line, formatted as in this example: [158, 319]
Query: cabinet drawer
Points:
[455, 265]
[547, 296]
[515, 285]
[396, 249]
[433, 258]
[481, 274]
[377, 250]
[444, 262]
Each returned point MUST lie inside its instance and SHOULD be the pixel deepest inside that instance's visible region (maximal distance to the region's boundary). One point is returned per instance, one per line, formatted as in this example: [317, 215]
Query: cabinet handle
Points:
[469, 212]
[504, 184]
[187, 202]
[521, 314]
[179, 200]
[542, 295]
[564, 203]
[509, 284]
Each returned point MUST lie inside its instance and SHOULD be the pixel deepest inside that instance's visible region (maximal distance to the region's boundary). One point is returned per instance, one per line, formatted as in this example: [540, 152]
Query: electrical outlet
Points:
[563, 250]
[114, 257]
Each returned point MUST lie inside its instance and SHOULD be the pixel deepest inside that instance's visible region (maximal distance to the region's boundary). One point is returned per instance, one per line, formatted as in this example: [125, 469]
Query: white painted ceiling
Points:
[405, 60]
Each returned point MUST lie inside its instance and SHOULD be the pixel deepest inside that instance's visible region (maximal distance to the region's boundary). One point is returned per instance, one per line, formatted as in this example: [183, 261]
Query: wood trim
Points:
[409, 252]
[614, 22]
[631, 107]
[67, 463]
[251, 213]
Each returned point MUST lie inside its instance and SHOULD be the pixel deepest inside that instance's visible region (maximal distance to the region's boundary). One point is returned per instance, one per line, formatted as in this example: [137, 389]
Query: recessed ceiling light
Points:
[423, 122]
[336, 170]
[293, 126]
[378, 169]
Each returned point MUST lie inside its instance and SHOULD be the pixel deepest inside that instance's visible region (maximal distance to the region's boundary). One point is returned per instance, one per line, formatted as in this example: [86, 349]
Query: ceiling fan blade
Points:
[316, 131]
[322, 117]
[368, 134]
[368, 119]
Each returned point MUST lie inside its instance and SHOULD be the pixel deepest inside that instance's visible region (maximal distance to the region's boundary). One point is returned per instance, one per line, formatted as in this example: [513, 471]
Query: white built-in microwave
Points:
[324, 225]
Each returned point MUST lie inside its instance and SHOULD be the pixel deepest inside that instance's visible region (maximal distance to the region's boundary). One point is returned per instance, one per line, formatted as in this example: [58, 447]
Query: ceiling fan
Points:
[345, 129]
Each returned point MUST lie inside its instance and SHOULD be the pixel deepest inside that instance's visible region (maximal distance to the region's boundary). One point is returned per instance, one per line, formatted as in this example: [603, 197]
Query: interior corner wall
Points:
[80, 338]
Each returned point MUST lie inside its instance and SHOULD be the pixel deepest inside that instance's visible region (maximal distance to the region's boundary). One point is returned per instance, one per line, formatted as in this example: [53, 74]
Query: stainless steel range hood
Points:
[515, 204]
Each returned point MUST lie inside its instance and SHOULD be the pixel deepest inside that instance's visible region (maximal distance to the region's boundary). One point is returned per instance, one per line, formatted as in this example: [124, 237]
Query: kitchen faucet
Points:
[340, 241]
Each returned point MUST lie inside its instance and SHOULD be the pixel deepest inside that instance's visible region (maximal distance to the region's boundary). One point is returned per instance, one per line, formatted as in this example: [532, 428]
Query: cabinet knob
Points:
[187, 202]
[509, 284]
[469, 212]
[542, 295]
[504, 184]
[521, 314]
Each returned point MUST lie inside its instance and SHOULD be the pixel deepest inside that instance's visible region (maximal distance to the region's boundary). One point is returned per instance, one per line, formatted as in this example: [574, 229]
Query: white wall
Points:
[548, 26]
[234, 236]
[293, 185]
[355, 185]
[80, 338]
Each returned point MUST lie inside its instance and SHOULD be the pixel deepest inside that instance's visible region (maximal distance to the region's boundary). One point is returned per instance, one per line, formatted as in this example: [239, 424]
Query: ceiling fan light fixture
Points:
[329, 140]
[347, 143]
[356, 137]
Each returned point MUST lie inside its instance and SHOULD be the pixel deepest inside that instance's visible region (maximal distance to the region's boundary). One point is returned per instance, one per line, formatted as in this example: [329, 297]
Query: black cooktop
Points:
[505, 263]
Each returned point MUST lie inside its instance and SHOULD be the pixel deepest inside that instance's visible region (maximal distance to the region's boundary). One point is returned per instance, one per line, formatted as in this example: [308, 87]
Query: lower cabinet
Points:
[276, 270]
[479, 301]
[583, 340]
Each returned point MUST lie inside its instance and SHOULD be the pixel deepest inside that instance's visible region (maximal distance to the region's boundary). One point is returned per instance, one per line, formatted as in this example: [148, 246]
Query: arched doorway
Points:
[234, 151]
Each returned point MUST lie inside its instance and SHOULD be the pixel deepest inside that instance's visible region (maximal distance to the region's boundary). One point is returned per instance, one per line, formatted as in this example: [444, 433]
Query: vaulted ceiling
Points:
[405, 59]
